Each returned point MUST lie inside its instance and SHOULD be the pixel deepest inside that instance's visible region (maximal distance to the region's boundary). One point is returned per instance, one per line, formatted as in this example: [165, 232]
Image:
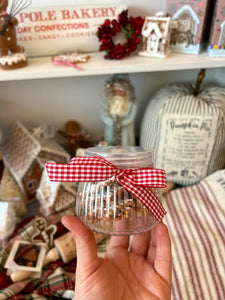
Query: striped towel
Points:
[196, 221]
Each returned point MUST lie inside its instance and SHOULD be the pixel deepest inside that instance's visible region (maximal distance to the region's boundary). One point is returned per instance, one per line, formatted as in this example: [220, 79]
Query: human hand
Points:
[141, 272]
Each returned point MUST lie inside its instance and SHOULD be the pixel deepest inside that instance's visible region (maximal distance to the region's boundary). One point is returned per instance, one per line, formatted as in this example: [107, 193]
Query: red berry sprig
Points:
[131, 27]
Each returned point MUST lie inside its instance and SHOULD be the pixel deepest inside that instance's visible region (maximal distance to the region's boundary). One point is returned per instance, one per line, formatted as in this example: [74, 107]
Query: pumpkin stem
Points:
[200, 78]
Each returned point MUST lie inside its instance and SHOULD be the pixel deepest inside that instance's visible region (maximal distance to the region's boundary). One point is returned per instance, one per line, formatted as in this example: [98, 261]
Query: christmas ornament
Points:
[107, 32]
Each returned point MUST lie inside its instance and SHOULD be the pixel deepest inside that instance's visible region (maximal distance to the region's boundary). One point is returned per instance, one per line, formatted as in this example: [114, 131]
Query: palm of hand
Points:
[125, 276]
[142, 272]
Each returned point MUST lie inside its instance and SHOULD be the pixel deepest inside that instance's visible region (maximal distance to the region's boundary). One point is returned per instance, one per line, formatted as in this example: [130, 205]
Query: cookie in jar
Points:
[119, 190]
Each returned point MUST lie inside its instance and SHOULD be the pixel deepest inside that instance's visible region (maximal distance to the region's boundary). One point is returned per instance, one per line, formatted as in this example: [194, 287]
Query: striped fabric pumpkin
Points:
[186, 132]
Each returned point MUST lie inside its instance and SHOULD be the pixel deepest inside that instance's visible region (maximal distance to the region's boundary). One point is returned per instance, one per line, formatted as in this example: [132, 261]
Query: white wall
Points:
[59, 100]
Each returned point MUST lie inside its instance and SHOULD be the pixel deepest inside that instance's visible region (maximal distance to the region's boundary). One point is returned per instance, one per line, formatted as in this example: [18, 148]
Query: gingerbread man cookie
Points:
[42, 232]
[12, 56]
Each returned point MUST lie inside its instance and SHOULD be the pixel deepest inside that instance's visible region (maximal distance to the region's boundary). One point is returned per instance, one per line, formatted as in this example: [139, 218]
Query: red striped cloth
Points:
[196, 221]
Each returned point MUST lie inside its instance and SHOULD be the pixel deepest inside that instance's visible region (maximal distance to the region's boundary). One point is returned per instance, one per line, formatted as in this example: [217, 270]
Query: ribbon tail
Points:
[78, 172]
[147, 197]
[60, 172]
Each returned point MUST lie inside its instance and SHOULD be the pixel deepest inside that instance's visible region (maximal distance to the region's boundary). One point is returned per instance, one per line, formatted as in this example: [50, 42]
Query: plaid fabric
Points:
[136, 181]
[29, 297]
[57, 280]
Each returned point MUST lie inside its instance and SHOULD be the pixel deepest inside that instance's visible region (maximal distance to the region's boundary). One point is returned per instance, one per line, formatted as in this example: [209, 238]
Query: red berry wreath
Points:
[131, 27]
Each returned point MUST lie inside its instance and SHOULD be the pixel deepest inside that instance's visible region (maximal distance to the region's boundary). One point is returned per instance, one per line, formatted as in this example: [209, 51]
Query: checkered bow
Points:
[137, 181]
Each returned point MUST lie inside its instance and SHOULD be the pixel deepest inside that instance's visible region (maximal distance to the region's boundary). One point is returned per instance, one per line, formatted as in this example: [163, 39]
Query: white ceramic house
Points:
[55, 197]
[156, 36]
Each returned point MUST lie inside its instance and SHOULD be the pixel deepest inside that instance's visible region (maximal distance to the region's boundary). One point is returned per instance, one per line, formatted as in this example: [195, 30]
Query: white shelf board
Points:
[41, 67]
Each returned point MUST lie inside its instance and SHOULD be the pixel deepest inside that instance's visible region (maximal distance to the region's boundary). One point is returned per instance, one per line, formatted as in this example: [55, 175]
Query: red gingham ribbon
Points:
[136, 181]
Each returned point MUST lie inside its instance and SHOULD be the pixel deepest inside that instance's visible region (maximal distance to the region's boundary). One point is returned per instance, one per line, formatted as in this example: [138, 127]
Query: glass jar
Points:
[108, 208]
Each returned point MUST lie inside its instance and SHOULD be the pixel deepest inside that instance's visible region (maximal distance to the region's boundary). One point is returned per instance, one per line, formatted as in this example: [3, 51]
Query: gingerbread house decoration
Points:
[222, 34]
[26, 154]
[55, 197]
[216, 41]
[8, 220]
[187, 24]
[10, 192]
[156, 35]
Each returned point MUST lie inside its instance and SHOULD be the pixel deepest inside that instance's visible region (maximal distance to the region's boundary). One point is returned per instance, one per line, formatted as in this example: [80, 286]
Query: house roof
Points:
[21, 147]
[182, 9]
[155, 23]
[48, 191]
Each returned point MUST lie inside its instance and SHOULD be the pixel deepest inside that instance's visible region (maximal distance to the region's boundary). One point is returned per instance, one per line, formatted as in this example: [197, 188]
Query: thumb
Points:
[87, 259]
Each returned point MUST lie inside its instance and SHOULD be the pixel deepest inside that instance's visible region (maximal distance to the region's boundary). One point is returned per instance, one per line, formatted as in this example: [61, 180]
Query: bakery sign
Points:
[53, 30]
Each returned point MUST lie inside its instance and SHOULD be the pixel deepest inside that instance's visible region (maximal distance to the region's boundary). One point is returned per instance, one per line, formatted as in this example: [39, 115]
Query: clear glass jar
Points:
[108, 208]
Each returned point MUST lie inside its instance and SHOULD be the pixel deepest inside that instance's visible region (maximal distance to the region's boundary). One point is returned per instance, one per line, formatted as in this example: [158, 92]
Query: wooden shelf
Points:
[41, 67]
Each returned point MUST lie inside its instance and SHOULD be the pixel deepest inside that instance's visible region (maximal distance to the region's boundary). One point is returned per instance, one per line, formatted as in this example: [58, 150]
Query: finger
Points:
[161, 247]
[152, 249]
[140, 243]
[119, 242]
[85, 243]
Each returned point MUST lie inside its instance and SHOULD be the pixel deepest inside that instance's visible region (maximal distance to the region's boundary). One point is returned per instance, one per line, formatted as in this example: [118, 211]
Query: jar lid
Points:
[127, 157]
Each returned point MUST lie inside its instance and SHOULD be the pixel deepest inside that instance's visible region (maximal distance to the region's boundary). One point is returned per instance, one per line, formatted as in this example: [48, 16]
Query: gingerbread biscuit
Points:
[42, 232]
[70, 59]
